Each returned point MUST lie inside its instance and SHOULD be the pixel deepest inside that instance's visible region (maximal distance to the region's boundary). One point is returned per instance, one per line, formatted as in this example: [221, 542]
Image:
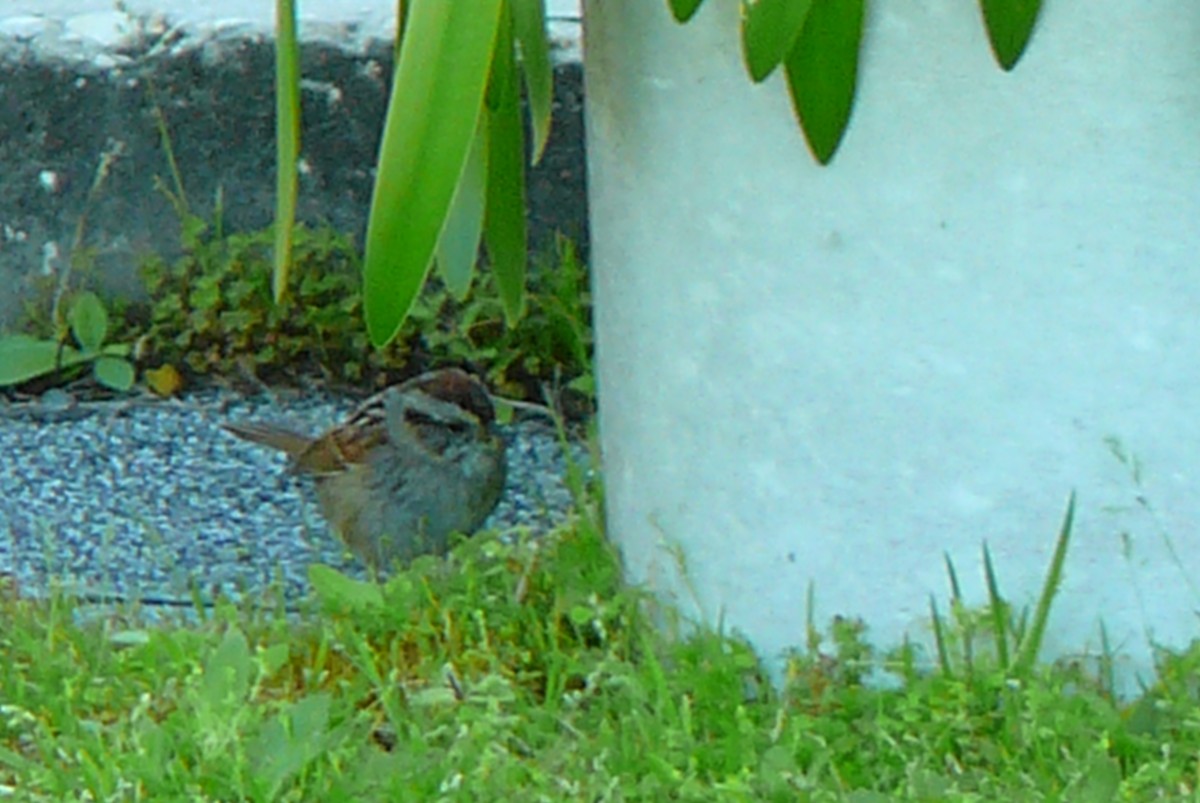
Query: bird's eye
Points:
[419, 419]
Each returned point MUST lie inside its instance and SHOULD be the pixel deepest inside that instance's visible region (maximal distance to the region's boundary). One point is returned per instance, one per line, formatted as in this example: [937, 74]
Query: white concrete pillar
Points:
[836, 374]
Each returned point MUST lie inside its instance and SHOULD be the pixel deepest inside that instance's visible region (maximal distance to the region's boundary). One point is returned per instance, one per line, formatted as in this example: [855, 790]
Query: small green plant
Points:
[42, 349]
[213, 312]
[24, 357]
[552, 342]
[1015, 640]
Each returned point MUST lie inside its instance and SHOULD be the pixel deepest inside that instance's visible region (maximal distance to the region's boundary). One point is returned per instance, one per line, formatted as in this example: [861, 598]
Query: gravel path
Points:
[137, 499]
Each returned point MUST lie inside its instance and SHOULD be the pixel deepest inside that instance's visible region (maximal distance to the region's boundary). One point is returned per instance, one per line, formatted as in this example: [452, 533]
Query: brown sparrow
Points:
[413, 464]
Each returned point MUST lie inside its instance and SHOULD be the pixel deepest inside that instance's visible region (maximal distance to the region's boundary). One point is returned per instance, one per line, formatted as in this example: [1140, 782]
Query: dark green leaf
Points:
[89, 321]
[504, 218]
[822, 72]
[684, 9]
[769, 30]
[529, 27]
[1009, 26]
[432, 116]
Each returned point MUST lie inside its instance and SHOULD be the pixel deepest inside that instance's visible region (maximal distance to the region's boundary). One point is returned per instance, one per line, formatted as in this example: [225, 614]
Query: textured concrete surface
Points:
[84, 85]
[856, 370]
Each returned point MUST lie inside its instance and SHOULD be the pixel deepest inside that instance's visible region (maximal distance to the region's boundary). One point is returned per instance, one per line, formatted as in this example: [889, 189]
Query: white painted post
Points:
[837, 374]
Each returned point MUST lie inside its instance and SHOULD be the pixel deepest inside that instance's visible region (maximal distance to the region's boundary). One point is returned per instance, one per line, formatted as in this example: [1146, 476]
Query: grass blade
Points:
[958, 608]
[955, 588]
[939, 638]
[287, 139]
[1108, 663]
[1032, 641]
[812, 636]
[997, 607]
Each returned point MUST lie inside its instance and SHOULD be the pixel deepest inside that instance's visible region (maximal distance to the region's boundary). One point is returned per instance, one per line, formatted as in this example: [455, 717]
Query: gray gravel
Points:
[148, 498]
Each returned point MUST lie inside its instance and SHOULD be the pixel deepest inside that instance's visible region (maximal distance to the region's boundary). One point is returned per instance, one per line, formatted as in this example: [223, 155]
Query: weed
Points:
[551, 343]
[63, 311]
[25, 357]
[1011, 635]
[213, 312]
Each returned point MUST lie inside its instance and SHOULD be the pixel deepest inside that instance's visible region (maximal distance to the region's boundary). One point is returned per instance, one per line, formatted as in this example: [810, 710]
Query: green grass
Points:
[529, 672]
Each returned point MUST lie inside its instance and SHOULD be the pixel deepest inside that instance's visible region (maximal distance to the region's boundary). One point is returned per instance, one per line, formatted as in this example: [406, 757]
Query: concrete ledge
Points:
[82, 159]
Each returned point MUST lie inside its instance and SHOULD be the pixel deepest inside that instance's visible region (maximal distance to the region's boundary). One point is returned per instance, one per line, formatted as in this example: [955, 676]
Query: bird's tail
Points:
[285, 440]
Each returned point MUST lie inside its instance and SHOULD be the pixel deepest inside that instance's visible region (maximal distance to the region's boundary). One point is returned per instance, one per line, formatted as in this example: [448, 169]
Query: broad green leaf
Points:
[22, 358]
[341, 593]
[529, 27]
[504, 216]
[310, 721]
[458, 247]
[228, 672]
[89, 321]
[137, 637]
[273, 658]
[1145, 717]
[684, 9]
[822, 72]
[1100, 780]
[272, 757]
[769, 29]
[437, 96]
[288, 743]
[113, 372]
[287, 139]
[1009, 26]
